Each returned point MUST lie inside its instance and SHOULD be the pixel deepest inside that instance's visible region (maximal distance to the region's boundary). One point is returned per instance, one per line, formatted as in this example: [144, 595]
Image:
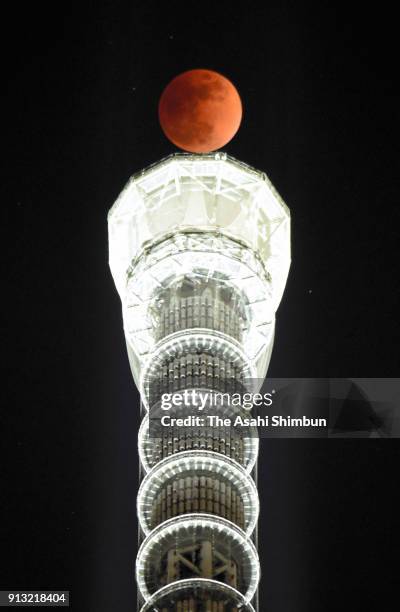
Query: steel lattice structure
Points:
[200, 252]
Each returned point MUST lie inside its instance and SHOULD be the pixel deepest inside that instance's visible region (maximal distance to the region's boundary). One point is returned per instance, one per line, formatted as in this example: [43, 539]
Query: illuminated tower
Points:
[200, 252]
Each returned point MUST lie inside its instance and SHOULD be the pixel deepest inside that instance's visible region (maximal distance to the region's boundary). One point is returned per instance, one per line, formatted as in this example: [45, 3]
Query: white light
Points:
[197, 463]
[207, 255]
[150, 452]
[195, 587]
[182, 343]
[199, 248]
[207, 212]
[197, 527]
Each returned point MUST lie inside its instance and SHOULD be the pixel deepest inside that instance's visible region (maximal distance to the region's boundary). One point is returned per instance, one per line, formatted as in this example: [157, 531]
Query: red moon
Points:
[200, 111]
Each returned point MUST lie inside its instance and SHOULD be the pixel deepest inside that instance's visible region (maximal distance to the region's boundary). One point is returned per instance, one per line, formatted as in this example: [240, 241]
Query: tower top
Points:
[210, 219]
[211, 192]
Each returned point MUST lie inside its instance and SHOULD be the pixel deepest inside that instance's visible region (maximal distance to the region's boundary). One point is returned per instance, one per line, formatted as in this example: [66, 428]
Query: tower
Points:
[199, 251]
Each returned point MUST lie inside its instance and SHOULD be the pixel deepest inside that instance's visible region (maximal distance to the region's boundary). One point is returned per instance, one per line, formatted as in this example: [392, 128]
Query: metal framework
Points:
[200, 252]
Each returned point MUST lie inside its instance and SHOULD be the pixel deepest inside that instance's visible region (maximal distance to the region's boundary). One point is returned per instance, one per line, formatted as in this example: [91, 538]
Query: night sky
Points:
[83, 82]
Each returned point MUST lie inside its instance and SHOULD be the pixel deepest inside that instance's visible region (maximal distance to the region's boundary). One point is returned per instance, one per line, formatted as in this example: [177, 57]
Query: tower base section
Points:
[198, 595]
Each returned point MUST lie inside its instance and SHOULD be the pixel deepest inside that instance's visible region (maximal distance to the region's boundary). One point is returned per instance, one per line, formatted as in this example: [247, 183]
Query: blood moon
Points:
[200, 111]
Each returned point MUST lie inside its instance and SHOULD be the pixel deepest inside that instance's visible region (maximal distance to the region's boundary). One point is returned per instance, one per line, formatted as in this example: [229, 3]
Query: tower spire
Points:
[200, 252]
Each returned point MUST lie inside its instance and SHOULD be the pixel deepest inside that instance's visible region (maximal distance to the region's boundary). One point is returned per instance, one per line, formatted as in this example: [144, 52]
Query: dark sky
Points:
[83, 82]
